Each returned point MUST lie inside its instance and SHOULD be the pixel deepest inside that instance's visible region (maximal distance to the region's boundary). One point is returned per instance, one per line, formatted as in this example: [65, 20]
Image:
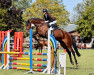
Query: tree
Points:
[78, 11]
[5, 3]
[54, 8]
[14, 19]
[10, 17]
[86, 20]
[22, 4]
[2, 18]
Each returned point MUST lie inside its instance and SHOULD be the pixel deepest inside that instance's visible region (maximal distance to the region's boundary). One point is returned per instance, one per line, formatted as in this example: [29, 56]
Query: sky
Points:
[70, 4]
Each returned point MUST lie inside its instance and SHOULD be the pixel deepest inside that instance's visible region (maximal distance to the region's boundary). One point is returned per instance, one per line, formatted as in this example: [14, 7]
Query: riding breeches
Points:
[51, 23]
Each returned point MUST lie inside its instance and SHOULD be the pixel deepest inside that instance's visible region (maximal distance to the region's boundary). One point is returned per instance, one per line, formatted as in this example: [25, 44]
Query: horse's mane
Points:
[36, 19]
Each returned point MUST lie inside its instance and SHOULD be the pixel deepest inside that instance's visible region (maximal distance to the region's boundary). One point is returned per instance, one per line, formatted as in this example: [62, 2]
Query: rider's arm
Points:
[49, 18]
[45, 18]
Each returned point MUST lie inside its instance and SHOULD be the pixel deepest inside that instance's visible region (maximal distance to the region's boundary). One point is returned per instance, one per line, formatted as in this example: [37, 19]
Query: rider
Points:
[49, 18]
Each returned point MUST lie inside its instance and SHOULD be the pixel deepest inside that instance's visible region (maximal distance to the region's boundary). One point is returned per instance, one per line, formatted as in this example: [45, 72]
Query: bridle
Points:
[27, 28]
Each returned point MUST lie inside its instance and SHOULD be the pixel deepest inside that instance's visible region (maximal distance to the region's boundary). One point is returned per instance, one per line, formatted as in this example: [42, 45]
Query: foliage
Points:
[78, 12]
[54, 8]
[5, 3]
[14, 19]
[22, 4]
[2, 18]
[10, 17]
[86, 19]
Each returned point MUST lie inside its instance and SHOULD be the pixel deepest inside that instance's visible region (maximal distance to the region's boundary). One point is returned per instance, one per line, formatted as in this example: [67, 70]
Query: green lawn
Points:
[86, 64]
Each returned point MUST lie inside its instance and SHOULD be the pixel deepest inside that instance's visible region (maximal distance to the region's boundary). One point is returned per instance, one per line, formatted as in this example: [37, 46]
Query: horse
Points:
[42, 43]
[64, 38]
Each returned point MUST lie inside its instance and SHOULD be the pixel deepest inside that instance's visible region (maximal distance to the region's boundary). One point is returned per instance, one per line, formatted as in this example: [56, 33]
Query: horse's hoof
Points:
[77, 65]
[72, 63]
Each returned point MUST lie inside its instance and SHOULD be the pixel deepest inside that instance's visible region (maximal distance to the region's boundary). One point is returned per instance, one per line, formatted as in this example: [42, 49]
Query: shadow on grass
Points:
[72, 68]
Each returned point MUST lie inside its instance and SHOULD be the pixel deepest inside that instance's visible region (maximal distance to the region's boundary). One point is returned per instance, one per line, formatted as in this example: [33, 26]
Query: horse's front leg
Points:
[34, 36]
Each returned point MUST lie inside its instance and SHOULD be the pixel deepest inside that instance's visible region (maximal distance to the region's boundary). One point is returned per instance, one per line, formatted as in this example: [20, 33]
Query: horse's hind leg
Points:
[74, 55]
[41, 49]
[34, 36]
[68, 51]
[74, 46]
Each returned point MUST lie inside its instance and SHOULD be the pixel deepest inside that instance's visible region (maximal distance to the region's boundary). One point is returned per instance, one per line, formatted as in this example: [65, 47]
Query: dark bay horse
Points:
[42, 43]
[64, 38]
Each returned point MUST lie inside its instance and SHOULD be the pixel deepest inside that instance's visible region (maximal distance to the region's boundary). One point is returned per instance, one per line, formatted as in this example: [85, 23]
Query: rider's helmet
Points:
[45, 10]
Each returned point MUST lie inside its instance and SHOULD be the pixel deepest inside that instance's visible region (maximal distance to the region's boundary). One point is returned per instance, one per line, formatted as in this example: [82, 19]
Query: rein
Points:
[37, 25]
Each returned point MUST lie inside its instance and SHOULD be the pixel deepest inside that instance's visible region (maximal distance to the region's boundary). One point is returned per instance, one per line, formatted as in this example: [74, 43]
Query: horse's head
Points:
[34, 22]
[28, 26]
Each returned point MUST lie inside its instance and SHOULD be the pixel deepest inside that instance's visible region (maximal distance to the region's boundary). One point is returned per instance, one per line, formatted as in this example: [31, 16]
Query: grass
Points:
[86, 64]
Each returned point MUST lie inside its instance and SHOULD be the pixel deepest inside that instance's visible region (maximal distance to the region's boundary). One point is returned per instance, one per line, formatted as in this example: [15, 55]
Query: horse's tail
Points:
[75, 47]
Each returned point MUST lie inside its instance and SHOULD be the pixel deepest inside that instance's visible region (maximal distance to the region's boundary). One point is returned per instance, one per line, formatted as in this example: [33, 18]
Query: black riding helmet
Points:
[45, 10]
